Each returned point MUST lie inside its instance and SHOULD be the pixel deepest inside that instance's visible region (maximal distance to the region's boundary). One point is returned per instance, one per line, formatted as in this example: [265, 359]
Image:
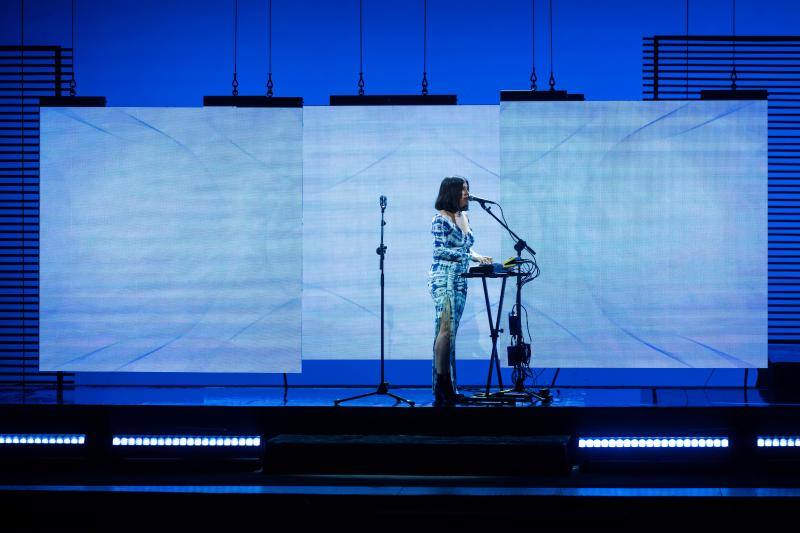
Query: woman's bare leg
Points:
[441, 347]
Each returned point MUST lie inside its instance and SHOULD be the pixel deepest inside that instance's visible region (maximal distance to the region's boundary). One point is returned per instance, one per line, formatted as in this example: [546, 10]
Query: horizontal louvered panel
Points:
[679, 67]
[45, 71]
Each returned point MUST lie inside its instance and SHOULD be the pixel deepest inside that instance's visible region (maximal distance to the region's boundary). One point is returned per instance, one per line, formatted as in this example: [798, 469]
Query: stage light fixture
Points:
[43, 439]
[186, 440]
[778, 441]
[653, 442]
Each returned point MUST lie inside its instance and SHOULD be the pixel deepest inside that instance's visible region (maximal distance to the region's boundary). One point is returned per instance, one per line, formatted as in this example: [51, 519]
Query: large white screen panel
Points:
[171, 240]
[352, 155]
[650, 223]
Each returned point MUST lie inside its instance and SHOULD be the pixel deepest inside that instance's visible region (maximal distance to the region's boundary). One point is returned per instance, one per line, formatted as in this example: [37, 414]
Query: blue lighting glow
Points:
[187, 440]
[43, 439]
[653, 442]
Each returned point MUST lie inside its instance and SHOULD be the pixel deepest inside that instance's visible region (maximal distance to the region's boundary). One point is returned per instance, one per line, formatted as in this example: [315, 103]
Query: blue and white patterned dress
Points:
[451, 256]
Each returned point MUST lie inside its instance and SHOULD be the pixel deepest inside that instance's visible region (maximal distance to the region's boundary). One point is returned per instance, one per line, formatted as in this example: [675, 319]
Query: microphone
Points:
[481, 200]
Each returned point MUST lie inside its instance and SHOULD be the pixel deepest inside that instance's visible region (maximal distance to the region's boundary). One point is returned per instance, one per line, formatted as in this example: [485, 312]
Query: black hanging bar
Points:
[72, 101]
[738, 94]
[253, 101]
[540, 96]
[393, 99]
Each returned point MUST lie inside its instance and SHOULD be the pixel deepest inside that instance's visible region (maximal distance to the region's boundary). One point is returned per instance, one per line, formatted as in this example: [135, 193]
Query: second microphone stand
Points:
[383, 386]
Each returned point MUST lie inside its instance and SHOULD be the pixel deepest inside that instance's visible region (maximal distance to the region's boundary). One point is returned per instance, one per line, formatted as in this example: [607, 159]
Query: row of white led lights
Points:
[249, 441]
[133, 440]
[183, 440]
[778, 442]
[653, 442]
[682, 442]
[71, 440]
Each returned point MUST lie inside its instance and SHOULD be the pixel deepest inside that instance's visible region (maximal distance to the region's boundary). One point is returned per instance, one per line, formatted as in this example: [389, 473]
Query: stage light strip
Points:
[778, 442]
[46, 439]
[186, 440]
[653, 442]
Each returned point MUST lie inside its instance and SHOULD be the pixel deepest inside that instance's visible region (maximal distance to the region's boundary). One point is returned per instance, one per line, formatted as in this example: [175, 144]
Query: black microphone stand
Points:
[383, 387]
[518, 391]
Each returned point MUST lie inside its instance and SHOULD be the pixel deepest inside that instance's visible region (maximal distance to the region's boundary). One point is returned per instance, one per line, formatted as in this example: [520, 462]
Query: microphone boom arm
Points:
[519, 244]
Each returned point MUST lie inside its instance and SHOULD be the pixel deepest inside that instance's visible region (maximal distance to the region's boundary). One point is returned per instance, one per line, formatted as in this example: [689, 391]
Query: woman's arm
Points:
[478, 258]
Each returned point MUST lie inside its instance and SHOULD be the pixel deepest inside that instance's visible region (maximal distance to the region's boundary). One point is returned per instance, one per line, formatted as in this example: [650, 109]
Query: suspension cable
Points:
[552, 77]
[361, 47]
[425, 47]
[533, 77]
[270, 84]
[235, 82]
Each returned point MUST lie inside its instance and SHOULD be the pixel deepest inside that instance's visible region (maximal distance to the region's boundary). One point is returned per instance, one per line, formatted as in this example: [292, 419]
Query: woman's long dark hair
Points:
[450, 191]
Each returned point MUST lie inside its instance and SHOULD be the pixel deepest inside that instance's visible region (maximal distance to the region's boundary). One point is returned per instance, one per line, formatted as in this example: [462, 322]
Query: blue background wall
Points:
[171, 53]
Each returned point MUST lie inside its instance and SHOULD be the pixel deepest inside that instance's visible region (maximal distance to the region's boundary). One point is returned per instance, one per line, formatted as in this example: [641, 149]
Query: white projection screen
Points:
[352, 155]
[232, 240]
[649, 220]
[171, 239]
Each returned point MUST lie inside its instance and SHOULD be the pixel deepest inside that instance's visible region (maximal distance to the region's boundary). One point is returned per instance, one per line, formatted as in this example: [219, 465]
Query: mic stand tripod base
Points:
[491, 399]
[520, 394]
[383, 390]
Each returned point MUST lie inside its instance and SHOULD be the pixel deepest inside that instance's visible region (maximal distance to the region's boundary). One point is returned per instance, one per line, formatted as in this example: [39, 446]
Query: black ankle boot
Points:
[444, 394]
[439, 397]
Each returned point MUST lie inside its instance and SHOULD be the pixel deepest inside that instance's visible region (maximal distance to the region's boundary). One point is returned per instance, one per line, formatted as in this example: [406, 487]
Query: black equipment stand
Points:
[383, 387]
[494, 325]
[518, 392]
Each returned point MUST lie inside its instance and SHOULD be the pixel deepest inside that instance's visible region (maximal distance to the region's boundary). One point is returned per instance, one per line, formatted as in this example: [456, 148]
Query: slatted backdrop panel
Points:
[679, 67]
[26, 74]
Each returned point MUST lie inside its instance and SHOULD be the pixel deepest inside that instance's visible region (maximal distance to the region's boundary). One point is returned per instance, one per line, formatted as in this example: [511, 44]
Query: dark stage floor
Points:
[574, 490]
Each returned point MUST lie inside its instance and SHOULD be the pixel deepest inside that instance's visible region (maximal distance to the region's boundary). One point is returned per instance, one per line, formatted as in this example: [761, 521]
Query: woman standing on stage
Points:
[452, 252]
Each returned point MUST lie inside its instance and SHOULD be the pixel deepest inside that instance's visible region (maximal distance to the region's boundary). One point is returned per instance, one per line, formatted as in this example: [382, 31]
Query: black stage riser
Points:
[100, 423]
[416, 455]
